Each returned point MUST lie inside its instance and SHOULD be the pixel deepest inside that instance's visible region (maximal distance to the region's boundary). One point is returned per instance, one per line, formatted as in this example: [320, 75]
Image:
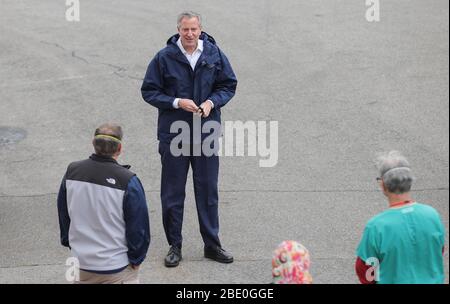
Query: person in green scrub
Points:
[405, 243]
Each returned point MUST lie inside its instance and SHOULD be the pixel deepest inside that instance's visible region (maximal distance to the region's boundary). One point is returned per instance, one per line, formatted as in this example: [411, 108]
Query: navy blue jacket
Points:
[169, 76]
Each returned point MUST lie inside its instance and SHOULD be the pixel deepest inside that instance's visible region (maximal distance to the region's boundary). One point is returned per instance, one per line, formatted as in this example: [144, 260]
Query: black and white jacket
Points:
[103, 215]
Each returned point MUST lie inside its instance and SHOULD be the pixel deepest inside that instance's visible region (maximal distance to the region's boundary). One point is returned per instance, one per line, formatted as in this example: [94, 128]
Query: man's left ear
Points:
[383, 187]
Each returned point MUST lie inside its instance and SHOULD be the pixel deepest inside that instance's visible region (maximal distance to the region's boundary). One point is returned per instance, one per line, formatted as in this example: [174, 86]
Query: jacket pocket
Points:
[170, 85]
[209, 73]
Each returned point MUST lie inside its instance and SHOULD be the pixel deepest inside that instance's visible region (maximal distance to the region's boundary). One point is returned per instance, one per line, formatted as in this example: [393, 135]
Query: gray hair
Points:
[107, 139]
[189, 15]
[395, 172]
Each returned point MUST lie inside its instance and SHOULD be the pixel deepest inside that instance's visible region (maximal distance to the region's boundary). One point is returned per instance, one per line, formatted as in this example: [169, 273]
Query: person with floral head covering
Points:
[290, 264]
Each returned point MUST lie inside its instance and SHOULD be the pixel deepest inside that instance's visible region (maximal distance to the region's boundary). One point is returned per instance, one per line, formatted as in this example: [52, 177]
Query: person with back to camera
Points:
[103, 213]
[405, 243]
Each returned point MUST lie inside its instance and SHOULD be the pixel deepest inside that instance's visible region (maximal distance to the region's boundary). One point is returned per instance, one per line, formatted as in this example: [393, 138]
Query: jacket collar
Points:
[106, 159]
[103, 159]
[199, 46]
[207, 53]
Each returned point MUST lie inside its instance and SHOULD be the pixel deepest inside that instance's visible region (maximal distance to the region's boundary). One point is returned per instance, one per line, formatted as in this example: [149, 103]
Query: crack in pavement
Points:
[53, 44]
[78, 57]
[127, 76]
[252, 191]
[31, 265]
[70, 78]
[117, 68]
[136, 78]
[200, 259]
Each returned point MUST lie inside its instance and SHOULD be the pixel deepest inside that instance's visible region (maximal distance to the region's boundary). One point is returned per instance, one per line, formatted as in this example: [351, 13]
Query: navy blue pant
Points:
[173, 192]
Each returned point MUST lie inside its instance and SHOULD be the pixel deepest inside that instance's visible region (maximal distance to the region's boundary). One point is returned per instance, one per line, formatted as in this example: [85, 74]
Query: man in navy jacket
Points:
[190, 76]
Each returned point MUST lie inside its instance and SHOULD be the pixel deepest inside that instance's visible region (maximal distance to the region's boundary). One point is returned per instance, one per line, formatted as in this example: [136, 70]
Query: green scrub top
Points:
[407, 244]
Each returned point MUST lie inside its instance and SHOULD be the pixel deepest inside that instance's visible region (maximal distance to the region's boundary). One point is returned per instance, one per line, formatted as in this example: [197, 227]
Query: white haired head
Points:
[395, 171]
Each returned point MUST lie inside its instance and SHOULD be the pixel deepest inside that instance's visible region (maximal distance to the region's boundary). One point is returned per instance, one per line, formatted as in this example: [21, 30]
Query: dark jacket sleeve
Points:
[225, 85]
[152, 88]
[63, 214]
[137, 224]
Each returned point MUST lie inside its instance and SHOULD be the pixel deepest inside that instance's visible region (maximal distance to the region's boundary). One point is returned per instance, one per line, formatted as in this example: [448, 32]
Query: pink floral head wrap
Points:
[290, 264]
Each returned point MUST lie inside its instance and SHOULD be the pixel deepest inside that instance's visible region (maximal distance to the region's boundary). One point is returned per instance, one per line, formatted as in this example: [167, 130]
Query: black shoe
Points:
[173, 257]
[218, 254]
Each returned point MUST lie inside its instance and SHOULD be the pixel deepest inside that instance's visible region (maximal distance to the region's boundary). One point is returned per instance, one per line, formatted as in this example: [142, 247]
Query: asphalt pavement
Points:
[342, 89]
